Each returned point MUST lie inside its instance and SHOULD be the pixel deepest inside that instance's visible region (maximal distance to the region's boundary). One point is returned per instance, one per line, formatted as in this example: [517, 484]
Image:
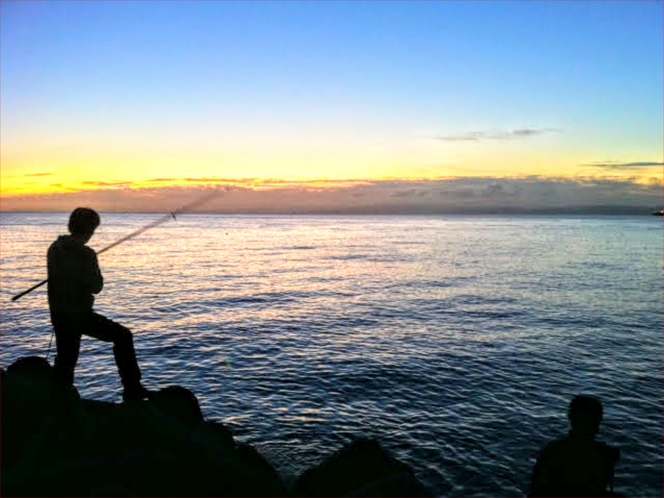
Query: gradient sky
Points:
[128, 95]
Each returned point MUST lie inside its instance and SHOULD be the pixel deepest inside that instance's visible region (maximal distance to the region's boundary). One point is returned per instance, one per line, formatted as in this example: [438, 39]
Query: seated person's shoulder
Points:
[572, 451]
[609, 453]
[557, 447]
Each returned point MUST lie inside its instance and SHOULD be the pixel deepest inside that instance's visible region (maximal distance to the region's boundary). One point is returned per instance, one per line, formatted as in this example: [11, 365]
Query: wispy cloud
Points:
[257, 183]
[160, 180]
[62, 186]
[625, 166]
[478, 136]
[38, 174]
[212, 179]
[117, 184]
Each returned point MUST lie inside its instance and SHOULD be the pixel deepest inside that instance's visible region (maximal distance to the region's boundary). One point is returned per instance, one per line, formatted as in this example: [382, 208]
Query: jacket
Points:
[73, 276]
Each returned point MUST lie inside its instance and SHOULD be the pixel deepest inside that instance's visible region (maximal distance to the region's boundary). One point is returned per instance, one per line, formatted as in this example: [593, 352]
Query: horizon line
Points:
[415, 211]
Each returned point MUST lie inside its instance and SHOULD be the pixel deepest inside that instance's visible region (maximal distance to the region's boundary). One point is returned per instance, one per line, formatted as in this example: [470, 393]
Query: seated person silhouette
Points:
[576, 465]
[73, 277]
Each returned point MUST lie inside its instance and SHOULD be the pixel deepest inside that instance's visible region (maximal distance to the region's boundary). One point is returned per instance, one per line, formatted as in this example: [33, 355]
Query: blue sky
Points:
[300, 89]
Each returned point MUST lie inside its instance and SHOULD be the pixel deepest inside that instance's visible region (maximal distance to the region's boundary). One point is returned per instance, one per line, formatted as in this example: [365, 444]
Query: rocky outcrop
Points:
[361, 468]
[56, 444]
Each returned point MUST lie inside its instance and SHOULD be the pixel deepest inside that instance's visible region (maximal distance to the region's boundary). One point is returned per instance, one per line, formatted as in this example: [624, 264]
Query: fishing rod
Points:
[161, 220]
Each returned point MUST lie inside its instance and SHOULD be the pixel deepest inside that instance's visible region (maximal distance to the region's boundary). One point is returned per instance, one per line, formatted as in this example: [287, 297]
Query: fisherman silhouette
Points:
[73, 277]
[577, 465]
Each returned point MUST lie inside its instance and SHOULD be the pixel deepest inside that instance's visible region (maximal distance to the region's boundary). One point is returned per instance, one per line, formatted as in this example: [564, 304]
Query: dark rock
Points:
[35, 375]
[270, 479]
[32, 404]
[394, 486]
[79, 447]
[178, 402]
[56, 444]
[362, 468]
[33, 366]
[218, 434]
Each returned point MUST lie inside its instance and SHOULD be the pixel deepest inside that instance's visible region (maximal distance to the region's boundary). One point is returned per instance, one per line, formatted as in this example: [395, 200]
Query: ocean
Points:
[456, 341]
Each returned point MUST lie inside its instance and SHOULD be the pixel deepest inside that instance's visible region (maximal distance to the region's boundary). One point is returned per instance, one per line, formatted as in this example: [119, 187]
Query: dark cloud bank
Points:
[536, 195]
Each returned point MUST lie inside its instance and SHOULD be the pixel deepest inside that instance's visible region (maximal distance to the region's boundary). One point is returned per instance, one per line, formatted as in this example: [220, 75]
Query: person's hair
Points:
[83, 221]
[585, 413]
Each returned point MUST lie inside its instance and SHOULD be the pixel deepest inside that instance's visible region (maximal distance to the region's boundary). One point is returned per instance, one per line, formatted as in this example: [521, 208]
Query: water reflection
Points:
[448, 339]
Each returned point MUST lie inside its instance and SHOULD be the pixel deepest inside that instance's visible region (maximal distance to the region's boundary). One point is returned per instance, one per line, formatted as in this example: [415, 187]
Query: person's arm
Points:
[96, 281]
[539, 483]
[612, 460]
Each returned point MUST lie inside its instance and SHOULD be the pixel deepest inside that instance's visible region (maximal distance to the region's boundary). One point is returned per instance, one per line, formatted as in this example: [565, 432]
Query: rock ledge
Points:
[56, 444]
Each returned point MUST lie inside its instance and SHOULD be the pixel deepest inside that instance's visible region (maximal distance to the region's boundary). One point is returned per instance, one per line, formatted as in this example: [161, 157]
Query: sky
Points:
[331, 106]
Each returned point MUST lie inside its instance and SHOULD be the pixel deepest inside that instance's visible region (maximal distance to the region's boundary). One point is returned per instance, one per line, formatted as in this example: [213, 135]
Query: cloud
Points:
[460, 193]
[117, 184]
[468, 195]
[625, 166]
[39, 174]
[412, 192]
[210, 179]
[161, 180]
[477, 136]
[62, 186]
[258, 183]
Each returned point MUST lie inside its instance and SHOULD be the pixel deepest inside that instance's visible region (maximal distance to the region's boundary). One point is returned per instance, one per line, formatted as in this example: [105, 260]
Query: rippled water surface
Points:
[456, 341]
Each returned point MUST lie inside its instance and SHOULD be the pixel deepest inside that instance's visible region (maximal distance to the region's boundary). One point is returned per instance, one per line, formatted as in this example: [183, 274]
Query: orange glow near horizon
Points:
[71, 180]
[73, 167]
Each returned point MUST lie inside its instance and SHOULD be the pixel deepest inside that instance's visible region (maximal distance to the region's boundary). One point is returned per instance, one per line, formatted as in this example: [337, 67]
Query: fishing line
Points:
[155, 223]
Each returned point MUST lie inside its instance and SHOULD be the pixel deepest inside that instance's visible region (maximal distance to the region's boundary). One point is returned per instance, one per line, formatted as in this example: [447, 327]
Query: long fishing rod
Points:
[164, 219]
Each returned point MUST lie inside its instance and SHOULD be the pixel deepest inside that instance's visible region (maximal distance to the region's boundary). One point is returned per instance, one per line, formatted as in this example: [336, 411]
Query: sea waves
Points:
[458, 345]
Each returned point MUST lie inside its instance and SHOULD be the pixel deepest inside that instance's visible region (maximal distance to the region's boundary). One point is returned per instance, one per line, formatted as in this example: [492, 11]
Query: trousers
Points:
[68, 331]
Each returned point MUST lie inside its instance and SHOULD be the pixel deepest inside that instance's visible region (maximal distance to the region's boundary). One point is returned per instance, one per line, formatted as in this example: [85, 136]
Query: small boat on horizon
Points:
[659, 213]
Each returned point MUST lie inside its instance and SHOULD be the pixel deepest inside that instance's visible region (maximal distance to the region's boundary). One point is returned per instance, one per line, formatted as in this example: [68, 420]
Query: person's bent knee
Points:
[123, 335]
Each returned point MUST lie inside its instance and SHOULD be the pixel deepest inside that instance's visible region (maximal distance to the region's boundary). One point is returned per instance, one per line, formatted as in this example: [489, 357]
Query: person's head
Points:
[585, 415]
[83, 222]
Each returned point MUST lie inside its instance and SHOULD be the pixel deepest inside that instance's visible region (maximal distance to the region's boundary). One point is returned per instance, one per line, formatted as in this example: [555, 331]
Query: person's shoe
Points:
[135, 393]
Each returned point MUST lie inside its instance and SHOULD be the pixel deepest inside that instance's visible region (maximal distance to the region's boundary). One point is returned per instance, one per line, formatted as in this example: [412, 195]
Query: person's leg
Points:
[123, 349]
[67, 344]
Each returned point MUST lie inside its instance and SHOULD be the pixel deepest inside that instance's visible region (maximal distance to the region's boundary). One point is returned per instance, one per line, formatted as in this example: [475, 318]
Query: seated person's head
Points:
[585, 415]
[83, 222]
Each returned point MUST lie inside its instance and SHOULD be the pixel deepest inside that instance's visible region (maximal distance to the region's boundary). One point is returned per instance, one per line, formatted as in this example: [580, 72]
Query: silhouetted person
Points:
[73, 277]
[576, 465]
